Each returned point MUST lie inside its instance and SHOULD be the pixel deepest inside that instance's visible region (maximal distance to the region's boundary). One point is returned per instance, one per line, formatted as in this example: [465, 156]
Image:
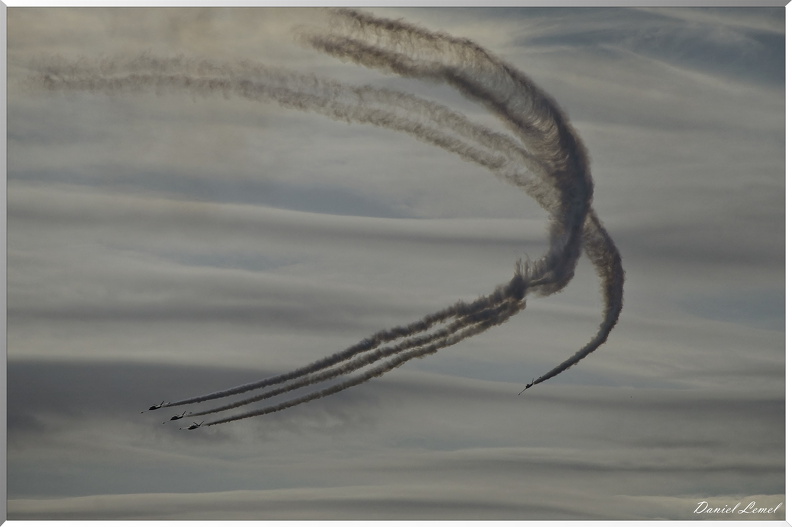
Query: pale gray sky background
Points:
[163, 246]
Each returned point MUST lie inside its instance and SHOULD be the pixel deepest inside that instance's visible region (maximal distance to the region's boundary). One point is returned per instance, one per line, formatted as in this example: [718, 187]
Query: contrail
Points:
[551, 166]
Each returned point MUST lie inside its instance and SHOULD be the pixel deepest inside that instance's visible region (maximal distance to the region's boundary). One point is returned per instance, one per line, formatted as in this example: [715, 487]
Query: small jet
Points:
[176, 417]
[193, 426]
[154, 407]
[527, 386]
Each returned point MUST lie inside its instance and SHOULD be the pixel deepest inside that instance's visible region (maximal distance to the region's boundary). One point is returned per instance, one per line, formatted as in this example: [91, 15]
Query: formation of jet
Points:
[527, 386]
[176, 417]
[154, 407]
[193, 426]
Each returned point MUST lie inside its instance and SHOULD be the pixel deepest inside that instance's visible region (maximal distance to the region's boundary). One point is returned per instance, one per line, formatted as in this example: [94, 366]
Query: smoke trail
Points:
[552, 152]
[607, 261]
[466, 312]
[359, 113]
[427, 121]
[422, 342]
[506, 92]
[509, 309]
[84, 78]
[462, 63]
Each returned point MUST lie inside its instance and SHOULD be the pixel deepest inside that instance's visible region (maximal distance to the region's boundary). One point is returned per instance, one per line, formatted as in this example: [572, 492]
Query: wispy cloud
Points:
[156, 240]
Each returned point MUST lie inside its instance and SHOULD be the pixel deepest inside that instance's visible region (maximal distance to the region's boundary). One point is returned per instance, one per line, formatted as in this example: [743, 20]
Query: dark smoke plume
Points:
[549, 163]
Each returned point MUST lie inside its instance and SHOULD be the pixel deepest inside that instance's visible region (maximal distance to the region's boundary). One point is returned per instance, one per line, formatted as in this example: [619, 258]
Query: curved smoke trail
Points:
[499, 316]
[409, 50]
[84, 78]
[551, 165]
[421, 345]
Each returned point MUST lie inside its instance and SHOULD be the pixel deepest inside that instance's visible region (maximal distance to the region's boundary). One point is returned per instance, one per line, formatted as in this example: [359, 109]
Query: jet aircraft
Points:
[527, 386]
[154, 407]
[193, 426]
[176, 417]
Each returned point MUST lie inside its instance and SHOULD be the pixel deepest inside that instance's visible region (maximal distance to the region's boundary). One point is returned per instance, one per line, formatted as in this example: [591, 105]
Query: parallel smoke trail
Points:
[466, 312]
[524, 108]
[462, 63]
[422, 342]
[551, 166]
[510, 308]
[426, 120]
[87, 80]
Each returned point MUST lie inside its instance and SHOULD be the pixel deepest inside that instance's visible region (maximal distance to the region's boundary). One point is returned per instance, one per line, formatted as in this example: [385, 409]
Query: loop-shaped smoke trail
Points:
[409, 50]
[530, 113]
[551, 165]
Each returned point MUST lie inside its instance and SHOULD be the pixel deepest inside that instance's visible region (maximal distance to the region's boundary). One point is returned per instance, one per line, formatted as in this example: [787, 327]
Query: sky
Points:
[166, 243]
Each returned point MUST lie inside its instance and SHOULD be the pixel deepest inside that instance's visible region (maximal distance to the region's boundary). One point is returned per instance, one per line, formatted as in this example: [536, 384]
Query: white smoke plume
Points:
[551, 165]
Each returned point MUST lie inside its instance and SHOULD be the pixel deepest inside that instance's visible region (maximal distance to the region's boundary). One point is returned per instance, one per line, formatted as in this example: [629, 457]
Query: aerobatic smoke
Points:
[498, 316]
[419, 346]
[549, 163]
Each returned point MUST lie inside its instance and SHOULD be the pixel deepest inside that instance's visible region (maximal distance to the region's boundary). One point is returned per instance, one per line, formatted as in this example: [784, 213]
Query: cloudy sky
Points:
[163, 244]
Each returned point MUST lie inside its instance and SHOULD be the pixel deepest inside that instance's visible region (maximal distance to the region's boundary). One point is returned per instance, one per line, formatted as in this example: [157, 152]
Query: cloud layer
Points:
[155, 241]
